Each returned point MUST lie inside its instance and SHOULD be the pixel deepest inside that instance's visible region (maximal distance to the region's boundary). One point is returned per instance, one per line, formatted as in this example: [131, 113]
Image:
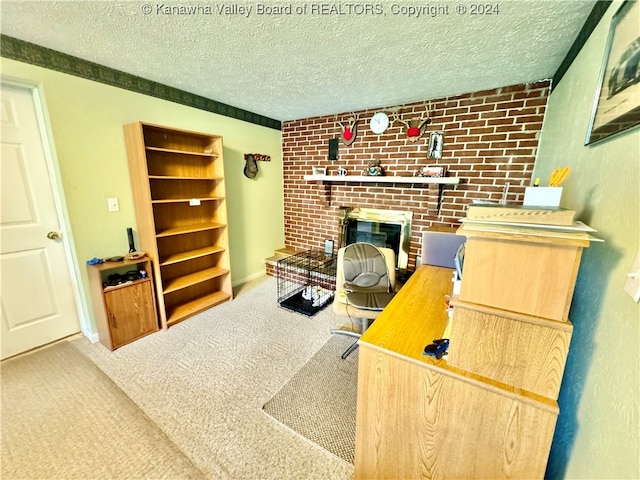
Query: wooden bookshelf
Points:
[179, 194]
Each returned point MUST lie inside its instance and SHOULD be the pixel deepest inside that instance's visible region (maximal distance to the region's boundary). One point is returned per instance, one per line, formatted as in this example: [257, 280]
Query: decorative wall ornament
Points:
[435, 144]
[415, 126]
[251, 167]
[333, 149]
[349, 130]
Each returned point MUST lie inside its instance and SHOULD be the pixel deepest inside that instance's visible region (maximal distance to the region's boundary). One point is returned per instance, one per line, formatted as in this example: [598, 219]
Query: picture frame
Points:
[318, 170]
[435, 144]
[432, 171]
[616, 106]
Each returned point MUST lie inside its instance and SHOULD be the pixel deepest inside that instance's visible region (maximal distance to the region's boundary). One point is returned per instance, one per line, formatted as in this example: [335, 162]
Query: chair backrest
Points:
[363, 259]
[365, 269]
[367, 275]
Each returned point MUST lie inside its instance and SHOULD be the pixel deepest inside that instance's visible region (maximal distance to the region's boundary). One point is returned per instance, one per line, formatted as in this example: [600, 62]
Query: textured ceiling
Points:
[326, 58]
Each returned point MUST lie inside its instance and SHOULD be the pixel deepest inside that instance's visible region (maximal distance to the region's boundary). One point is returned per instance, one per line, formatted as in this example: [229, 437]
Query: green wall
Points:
[597, 431]
[86, 120]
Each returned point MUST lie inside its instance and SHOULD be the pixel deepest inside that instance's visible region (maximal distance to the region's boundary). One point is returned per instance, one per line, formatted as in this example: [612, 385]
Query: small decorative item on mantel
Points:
[434, 171]
[319, 170]
[373, 169]
[342, 172]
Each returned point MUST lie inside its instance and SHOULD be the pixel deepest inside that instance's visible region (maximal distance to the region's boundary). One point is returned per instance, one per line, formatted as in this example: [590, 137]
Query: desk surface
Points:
[416, 316]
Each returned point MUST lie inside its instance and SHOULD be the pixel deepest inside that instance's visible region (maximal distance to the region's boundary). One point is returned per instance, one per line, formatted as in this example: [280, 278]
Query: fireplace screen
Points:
[377, 233]
[383, 228]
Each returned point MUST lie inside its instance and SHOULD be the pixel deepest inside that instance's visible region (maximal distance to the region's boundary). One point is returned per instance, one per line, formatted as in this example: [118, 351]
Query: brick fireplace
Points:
[490, 143]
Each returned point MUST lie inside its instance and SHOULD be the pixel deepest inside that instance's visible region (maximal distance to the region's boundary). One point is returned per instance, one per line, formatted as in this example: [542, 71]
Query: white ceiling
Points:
[293, 66]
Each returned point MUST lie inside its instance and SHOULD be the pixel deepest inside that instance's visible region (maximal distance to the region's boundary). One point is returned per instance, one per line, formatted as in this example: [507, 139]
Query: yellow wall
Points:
[86, 119]
[597, 431]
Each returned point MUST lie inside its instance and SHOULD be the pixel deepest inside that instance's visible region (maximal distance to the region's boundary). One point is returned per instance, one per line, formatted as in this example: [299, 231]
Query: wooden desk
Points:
[419, 417]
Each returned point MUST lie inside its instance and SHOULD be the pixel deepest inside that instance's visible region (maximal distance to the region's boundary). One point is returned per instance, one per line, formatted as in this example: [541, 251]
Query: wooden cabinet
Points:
[123, 312]
[489, 410]
[519, 350]
[532, 274]
[179, 193]
[511, 321]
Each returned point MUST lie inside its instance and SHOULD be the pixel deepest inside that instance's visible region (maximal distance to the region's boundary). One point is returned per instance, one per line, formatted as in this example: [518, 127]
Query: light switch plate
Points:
[632, 286]
[113, 204]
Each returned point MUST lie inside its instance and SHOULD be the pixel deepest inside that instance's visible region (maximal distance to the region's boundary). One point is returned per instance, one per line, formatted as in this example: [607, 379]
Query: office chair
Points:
[365, 278]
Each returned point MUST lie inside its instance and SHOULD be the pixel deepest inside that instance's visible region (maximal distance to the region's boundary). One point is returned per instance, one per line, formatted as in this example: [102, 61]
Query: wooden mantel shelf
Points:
[382, 179]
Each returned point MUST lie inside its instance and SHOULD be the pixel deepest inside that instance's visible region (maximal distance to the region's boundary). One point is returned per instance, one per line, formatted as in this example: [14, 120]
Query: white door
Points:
[36, 289]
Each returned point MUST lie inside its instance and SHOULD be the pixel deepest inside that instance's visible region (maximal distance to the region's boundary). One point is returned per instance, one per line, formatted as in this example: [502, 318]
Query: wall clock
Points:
[379, 123]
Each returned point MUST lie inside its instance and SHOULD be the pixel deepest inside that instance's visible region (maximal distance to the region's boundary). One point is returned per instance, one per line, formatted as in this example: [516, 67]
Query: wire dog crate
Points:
[306, 281]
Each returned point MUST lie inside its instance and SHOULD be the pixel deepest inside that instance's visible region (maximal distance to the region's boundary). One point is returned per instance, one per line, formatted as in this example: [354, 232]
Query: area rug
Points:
[319, 402]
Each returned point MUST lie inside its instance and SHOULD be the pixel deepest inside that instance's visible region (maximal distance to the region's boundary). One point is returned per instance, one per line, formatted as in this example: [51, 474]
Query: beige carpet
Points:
[319, 402]
[62, 418]
[205, 380]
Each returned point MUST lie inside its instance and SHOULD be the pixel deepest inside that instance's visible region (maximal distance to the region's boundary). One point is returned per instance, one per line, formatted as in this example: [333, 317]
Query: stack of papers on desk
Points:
[517, 214]
[553, 222]
[578, 231]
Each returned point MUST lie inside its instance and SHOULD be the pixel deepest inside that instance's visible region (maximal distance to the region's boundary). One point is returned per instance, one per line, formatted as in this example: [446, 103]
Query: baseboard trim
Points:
[248, 278]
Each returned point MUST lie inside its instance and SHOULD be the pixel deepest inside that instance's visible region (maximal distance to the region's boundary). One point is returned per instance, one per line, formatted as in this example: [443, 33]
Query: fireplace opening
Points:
[382, 228]
[376, 233]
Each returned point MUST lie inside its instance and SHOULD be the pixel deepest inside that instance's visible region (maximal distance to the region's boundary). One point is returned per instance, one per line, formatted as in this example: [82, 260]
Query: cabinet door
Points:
[130, 312]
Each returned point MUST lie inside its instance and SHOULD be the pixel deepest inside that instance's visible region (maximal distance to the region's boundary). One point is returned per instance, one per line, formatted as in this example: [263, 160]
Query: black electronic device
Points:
[132, 247]
[333, 149]
[132, 275]
[437, 348]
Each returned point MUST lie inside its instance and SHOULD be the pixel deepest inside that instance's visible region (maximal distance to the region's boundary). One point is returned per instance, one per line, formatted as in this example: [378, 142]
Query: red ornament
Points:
[413, 132]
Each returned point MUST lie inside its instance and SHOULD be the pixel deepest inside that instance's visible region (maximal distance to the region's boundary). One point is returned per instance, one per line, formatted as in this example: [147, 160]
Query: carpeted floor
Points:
[204, 381]
[62, 418]
[319, 402]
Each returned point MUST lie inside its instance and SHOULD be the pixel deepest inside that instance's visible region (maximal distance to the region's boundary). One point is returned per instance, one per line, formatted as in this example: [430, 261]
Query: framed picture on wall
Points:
[435, 144]
[616, 107]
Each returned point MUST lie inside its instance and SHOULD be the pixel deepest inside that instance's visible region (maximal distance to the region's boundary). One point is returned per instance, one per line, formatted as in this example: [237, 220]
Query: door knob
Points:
[53, 235]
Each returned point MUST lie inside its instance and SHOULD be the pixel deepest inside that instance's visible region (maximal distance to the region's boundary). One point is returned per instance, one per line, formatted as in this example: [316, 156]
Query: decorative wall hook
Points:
[349, 130]
[259, 157]
[251, 167]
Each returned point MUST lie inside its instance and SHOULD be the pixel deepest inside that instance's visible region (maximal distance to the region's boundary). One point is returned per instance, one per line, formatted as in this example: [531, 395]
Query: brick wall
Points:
[490, 139]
